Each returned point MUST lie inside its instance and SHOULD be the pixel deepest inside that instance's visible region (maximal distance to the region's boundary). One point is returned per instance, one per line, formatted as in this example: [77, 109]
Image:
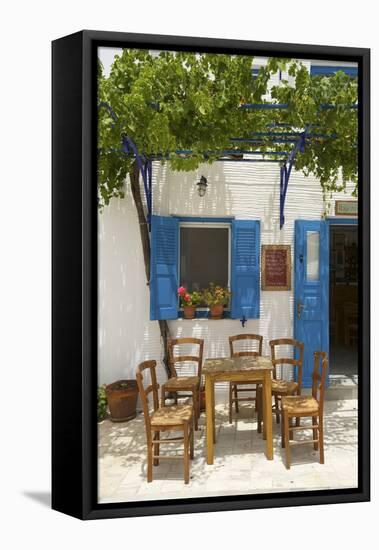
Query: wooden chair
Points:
[178, 384]
[279, 386]
[304, 406]
[237, 387]
[177, 418]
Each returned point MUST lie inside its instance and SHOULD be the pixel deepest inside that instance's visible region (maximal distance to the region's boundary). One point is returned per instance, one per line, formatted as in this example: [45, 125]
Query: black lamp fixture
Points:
[202, 186]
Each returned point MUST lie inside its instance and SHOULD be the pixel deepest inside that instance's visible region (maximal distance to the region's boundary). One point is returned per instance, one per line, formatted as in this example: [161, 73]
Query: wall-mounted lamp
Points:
[202, 186]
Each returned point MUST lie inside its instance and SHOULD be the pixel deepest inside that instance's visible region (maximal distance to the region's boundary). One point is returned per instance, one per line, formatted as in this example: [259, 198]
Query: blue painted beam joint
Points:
[285, 173]
[145, 168]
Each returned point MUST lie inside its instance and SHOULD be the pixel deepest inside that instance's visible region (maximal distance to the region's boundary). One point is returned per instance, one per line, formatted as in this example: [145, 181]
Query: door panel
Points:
[311, 308]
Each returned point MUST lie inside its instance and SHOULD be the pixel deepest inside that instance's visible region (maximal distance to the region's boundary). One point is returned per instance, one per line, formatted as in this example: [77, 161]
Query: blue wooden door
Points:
[311, 296]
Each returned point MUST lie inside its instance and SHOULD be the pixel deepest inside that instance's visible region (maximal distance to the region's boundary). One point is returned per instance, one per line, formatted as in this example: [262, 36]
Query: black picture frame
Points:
[74, 273]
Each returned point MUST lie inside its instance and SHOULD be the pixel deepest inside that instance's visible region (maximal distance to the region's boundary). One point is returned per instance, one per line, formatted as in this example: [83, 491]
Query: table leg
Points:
[263, 405]
[267, 415]
[213, 412]
[209, 418]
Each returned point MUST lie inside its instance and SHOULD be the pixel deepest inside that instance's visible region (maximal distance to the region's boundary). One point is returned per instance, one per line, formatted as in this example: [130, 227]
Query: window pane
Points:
[204, 257]
[313, 255]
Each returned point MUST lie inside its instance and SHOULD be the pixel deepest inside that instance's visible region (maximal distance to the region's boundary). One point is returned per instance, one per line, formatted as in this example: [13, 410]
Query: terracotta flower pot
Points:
[189, 312]
[216, 311]
[122, 400]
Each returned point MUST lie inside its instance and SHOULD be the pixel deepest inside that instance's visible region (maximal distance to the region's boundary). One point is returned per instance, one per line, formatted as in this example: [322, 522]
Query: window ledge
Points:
[203, 316]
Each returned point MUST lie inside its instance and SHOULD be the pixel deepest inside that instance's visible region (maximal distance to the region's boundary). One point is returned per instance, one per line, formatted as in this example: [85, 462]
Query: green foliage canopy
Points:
[185, 101]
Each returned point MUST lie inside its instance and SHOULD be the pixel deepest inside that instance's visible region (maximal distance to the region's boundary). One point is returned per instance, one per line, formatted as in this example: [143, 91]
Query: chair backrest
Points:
[320, 370]
[178, 358]
[255, 340]
[146, 389]
[298, 349]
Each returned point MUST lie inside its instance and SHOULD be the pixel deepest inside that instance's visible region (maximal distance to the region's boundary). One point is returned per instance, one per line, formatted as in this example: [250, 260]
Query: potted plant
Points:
[122, 400]
[189, 301]
[216, 297]
[102, 403]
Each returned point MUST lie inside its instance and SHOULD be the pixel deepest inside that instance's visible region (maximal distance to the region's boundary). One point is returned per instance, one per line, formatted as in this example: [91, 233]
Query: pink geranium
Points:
[187, 297]
[181, 291]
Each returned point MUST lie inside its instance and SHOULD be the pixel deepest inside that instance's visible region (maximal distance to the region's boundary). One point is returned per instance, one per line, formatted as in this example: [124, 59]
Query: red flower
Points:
[181, 290]
[187, 297]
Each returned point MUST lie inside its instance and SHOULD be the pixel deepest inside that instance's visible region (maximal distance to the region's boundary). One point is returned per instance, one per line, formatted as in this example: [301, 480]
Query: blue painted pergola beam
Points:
[262, 141]
[292, 134]
[145, 167]
[286, 125]
[249, 160]
[232, 152]
[247, 152]
[225, 159]
[285, 172]
[189, 152]
[154, 105]
[298, 138]
[279, 106]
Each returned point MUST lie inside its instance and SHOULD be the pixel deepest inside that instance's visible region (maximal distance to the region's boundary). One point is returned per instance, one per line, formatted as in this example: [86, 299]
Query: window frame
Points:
[217, 224]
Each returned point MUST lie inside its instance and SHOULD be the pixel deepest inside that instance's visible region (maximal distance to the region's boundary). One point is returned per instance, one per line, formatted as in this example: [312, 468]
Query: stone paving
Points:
[240, 465]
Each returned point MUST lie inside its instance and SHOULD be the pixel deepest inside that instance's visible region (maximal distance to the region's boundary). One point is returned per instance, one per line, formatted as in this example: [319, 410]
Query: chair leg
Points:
[230, 403]
[149, 462]
[285, 421]
[214, 413]
[236, 398]
[198, 397]
[195, 408]
[156, 449]
[321, 438]
[186, 454]
[192, 444]
[263, 405]
[290, 424]
[298, 417]
[282, 431]
[256, 394]
[315, 432]
[277, 413]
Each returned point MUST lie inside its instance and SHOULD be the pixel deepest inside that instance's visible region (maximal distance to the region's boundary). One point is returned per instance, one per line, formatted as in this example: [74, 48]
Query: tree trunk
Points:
[145, 240]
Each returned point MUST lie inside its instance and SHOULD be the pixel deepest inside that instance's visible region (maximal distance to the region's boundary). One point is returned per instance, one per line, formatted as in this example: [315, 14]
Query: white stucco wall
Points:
[243, 190]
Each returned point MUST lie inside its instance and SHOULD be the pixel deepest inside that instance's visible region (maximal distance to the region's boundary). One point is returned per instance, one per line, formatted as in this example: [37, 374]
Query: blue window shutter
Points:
[245, 268]
[164, 268]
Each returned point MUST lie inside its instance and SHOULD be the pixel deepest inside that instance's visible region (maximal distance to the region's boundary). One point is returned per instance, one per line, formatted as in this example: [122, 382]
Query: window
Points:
[313, 255]
[204, 251]
[197, 252]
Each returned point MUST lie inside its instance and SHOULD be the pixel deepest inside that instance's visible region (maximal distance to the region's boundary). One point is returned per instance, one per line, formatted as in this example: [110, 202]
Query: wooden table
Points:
[238, 369]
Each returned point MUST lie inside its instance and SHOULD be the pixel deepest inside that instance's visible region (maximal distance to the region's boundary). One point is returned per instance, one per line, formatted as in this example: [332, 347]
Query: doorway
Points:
[343, 300]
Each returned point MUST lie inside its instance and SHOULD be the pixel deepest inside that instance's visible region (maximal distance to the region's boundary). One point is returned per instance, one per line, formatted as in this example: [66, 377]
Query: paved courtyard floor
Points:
[240, 465]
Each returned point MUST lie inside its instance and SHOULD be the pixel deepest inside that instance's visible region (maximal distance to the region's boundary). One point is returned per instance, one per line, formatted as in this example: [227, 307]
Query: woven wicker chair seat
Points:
[283, 387]
[299, 404]
[181, 383]
[172, 416]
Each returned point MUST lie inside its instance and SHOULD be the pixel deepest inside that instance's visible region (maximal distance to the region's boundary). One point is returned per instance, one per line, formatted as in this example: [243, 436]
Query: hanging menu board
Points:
[276, 267]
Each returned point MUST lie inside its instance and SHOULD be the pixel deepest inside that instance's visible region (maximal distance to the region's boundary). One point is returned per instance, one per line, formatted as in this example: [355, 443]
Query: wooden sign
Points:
[276, 267]
[346, 208]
